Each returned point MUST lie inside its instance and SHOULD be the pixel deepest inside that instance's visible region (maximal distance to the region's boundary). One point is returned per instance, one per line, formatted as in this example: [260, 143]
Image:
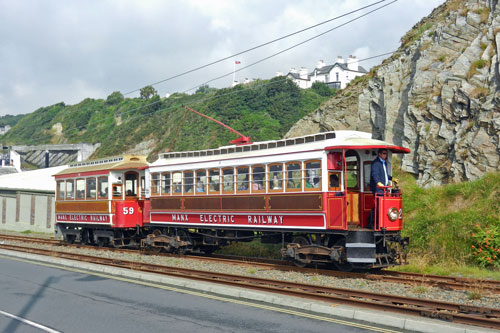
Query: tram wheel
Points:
[184, 236]
[343, 267]
[302, 241]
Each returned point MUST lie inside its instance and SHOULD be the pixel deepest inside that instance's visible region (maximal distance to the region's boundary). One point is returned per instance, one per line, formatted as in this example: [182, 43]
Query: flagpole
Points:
[234, 72]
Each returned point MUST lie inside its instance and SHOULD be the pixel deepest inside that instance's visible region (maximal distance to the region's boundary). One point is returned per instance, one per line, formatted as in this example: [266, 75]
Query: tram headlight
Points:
[392, 214]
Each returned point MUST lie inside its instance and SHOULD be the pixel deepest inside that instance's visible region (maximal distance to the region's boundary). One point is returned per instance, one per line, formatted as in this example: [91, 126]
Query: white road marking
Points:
[29, 322]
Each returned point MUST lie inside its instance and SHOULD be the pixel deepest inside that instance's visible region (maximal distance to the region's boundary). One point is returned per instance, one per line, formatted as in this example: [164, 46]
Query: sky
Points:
[65, 51]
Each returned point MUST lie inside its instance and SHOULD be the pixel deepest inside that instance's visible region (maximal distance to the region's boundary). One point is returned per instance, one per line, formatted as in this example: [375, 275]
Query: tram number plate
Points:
[128, 210]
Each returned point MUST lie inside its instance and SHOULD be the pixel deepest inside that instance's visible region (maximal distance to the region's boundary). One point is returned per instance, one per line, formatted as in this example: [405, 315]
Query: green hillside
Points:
[10, 119]
[263, 110]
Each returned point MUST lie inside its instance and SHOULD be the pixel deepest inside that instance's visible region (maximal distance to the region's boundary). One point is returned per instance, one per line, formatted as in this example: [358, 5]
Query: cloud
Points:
[54, 51]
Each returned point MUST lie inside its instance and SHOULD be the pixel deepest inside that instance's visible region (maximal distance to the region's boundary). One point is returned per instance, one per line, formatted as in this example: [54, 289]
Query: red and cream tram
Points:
[309, 193]
[101, 202]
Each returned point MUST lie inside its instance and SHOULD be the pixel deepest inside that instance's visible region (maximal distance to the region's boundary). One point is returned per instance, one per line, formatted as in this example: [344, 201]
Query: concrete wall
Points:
[27, 210]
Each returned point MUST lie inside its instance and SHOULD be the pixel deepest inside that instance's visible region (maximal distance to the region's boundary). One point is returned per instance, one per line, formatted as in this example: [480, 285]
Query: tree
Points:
[116, 97]
[205, 88]
[322, 89]
[148, 92]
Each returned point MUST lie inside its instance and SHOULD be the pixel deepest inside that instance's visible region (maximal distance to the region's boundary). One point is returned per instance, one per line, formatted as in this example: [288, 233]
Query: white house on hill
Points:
[336, 76]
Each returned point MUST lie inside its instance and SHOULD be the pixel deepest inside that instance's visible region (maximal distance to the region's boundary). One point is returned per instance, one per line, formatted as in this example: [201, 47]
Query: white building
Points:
[336, 76]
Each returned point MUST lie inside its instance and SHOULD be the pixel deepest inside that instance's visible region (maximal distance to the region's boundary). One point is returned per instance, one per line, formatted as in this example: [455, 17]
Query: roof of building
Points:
[36, 180]
[327, 69]
[296, 76]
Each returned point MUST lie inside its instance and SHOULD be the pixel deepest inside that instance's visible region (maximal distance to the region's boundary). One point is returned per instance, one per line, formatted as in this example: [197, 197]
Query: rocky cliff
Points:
[438, 95]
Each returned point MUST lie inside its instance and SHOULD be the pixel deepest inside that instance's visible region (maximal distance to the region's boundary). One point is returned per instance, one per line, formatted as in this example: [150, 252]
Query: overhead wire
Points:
[191, 103]
[256, 47]
[291, 47]
[280, 52]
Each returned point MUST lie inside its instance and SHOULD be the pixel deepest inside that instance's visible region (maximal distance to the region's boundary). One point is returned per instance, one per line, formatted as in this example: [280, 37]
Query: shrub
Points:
[486, 246]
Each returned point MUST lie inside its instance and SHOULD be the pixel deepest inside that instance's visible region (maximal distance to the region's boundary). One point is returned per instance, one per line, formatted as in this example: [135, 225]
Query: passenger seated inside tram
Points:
[275, 183]
[243, 186]
[177, 188]
[200, 188]
[335, 185]
[129, 193]
[256, 186]
[334, 180]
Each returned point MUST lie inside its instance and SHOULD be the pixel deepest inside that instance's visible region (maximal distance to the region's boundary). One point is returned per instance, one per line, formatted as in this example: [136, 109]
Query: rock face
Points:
[438, 95]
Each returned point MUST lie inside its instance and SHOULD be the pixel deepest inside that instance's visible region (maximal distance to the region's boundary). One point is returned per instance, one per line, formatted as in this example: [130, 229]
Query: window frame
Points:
[87, 197]
[162, 183]
[223, 180]
[58, 190]
[301, 174]
[76, 188]
[205, 184]
[155, 184]
[320, 182]
[99, 188]
[272, 190]
[185, 183]
[70, 181]
[247, 181]
[174, 192]
[210, 181]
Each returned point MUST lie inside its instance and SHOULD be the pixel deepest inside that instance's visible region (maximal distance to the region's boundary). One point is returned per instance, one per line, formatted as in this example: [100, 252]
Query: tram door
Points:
[352, 173]
[131, 184]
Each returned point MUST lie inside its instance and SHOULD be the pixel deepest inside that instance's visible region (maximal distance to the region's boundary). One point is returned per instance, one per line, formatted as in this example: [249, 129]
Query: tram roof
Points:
[110, 163]
[320, 141]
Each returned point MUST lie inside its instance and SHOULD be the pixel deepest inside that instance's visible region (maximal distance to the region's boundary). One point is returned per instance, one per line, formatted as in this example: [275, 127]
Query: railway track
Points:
[458, 313]
[444, 282]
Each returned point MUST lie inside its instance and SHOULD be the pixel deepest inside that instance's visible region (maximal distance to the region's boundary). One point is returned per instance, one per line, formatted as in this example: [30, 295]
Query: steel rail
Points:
[444, 282]
[458, 313]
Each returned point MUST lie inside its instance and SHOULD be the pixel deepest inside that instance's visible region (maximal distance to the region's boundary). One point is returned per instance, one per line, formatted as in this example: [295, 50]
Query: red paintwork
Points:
[128, 214]
[83, 174]
[394, 149]
[385, 203]
[82, 218]
[242, 219]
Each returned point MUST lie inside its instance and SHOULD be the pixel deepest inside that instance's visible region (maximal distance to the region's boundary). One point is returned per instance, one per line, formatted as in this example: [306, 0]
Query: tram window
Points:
[213, 181]
[177, 183]
[102, 183]
[165, 183]
[201, 182]
[117, 191]
[131, 179]
[70, 189]
[276, 177]
[334, 181]
[228, 180]
[293, 176]
[80, 189]
[61, 189]
[155, 184]
[143, 186]
[188, 182]
[352, 171]
[91, 188]
[242, 179]
[312, 176]
[367, 170]
[258, 178]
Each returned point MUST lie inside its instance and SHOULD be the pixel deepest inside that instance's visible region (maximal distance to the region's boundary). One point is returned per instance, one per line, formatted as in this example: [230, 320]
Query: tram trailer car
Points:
[311, 194]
